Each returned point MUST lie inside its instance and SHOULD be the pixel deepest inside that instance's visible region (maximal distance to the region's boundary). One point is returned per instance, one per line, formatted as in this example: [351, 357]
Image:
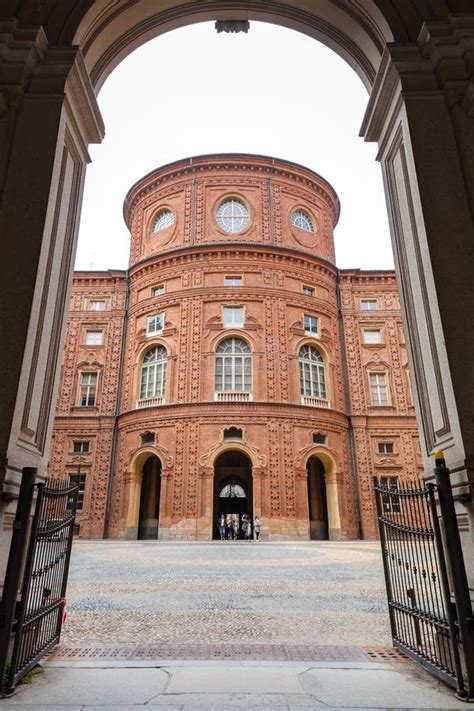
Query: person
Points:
[245, 524]
[256, 527]
[222, 527]
[248, 533]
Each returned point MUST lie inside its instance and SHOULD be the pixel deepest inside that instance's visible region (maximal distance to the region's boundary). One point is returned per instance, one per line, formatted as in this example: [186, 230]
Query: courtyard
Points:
[236, 596]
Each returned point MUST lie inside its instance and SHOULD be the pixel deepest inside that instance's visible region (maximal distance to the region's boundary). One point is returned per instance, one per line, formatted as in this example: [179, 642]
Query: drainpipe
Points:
[347, 397]
[113, 454]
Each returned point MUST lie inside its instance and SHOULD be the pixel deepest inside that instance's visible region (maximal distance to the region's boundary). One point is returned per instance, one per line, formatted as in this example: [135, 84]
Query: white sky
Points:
[272, 91]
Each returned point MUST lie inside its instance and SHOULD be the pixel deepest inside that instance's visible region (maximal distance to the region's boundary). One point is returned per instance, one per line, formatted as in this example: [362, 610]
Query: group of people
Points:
[228, 527]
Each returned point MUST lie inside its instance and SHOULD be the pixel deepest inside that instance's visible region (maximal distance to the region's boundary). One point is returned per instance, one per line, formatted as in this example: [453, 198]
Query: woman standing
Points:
[256, 527]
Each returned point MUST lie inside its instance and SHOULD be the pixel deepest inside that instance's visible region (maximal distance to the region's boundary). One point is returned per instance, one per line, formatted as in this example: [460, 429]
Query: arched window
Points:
[233, 366]
[302, 221]
[312, 372]
[153, 373]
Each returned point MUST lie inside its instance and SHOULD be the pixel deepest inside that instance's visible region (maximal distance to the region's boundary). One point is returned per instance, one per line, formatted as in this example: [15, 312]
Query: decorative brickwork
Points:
[268, 275]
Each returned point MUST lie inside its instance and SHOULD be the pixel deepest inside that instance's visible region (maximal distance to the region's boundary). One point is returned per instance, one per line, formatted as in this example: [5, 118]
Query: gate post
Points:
[15, 562]
[457, 568]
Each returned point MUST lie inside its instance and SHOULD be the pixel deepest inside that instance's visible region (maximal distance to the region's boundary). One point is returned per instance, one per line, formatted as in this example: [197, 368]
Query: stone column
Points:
[49, 116]
[204, 523]
[133, 483]
[166, 512]
[421, 112]
[332, 499]
[301, 502]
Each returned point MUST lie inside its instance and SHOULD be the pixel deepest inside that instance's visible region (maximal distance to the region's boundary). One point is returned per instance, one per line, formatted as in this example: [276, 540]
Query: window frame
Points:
[80, 449]
[155, 288]
[233, 277]
[365, 331]
[96, 301]
[235, 308]
[376, 373]
[318, 386]
[390, 504]
[308, 331]
[311, 290]
[90, 332]
[369, 301]
[85, 373]
[237, 364]
[381, 448]
[158, 331]
[79, 478]
[156, 373]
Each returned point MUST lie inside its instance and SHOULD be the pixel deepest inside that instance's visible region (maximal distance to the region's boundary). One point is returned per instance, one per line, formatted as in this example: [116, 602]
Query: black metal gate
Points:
[35, 618]
[428, 622]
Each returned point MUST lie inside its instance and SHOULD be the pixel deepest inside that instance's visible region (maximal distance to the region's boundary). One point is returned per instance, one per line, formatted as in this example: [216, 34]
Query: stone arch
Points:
[209, 459]
[106, 36]
[332, 502]
[133, 483]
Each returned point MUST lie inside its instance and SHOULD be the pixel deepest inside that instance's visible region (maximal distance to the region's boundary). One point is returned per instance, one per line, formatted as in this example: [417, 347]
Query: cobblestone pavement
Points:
[189, 593]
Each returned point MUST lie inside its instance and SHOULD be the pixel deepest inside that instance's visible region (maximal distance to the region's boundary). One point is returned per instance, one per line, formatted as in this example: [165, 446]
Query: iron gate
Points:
[36, 617]
[426, 624]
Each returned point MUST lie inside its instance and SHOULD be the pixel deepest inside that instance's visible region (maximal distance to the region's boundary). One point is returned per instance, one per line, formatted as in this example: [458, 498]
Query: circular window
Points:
[232, 216]
[302, 221]
[164, 219]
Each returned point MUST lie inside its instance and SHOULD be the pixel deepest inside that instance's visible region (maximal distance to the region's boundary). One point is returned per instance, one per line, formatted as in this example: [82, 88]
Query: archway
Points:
[149, 512]
[317, 500]
[233, 490]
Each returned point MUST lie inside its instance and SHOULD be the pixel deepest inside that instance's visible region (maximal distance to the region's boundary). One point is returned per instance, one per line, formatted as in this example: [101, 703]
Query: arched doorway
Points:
[149, 513]
[233, 489]
[317, 500]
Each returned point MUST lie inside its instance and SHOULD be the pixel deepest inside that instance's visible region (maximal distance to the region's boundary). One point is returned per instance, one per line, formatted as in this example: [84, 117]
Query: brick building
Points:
[233, 368]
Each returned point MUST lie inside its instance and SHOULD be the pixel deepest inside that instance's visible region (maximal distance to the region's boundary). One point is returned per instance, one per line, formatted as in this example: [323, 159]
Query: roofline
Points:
[190, 161]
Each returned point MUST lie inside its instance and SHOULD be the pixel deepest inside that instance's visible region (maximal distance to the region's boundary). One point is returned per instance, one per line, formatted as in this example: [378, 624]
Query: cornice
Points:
[249, 164]
[255, 250]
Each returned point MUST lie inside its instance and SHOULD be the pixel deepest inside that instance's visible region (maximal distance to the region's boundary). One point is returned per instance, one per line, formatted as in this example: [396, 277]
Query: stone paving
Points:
[189, 593]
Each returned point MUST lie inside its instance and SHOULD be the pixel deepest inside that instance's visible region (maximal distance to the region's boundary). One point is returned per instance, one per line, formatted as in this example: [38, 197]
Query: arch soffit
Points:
[108, 33]
[143, 348]
[316, 343]
[138, 457]
[209, 458]
[321, 452]
[229, 333]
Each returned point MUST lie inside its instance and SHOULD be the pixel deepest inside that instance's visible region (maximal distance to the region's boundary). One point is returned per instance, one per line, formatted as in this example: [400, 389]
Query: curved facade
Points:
[233, 368]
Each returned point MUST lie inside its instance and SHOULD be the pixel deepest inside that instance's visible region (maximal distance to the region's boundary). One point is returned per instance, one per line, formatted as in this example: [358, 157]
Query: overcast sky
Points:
[272, 91]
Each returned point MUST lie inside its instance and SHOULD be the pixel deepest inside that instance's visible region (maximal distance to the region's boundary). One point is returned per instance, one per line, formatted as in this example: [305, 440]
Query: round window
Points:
[232, 216]
[302, 221]
[164, 219]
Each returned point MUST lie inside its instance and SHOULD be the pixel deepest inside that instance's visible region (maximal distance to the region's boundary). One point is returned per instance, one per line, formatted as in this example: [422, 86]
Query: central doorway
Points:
[233, 490]
[148, 518]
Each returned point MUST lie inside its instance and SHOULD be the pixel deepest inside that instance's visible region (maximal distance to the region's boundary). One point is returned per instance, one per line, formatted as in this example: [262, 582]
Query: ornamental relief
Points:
[155, 448]
[206, 459]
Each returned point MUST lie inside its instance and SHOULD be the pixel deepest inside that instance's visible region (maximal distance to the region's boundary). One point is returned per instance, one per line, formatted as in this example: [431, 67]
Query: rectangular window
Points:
[233, 281]
[93, 338]
[233, 316]
[80, 446]
[158, 290]
[368, 304]
[155, 323]
[379, 389]
[385, 447]
[372, 337]
[308, 291]
[311, 324]
[391, 502]
[97, 305]
[88, 387]
[81, 480]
